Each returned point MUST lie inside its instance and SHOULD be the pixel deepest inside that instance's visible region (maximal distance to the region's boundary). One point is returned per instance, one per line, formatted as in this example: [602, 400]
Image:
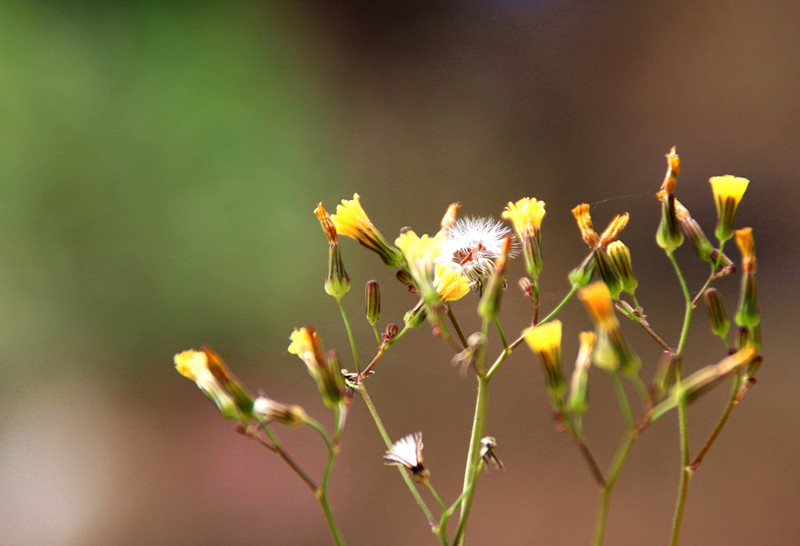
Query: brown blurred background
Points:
[160, 165]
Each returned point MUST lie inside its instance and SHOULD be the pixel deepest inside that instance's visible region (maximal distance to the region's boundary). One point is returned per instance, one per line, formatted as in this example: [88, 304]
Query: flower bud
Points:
[416, 316]
[621, 256]
[608, 273]
[716, 311]
[337, 283]
[489, 305]
[747, 313]
[582, 275]
[373, 299]
[324, 369]
[268, 410]
[669, 235]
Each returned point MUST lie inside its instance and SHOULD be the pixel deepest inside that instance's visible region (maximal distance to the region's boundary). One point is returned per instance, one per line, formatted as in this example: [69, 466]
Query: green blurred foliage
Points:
[154, 160]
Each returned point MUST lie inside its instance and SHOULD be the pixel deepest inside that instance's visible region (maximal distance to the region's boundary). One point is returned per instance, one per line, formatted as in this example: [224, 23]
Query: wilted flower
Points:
[407, 452]
[488, 445]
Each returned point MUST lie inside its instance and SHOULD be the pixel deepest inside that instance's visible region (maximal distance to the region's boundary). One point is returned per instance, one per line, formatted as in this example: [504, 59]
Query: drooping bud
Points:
[728, 192]
[706, 378]
[720, 324]
[373, 299]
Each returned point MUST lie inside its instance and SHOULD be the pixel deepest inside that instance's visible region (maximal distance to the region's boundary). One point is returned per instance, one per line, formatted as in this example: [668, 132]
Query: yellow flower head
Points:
[545, 341]
[351, 220]
[545, 337]
[728, 192]
[450, 283]
[597, 300]
[526, 216]
[212, 376]
[420, 254]
[305, 343]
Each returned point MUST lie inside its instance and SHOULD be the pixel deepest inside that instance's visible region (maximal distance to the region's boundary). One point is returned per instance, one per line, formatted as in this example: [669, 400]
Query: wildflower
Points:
[526, 216]
[268, 410]
[213, 377]
[488, 445]
[728, 192]
[747, 314]
[472, 245]
[407, 452]
[324, 369]
[337, 283]
[545, 341]
[612, 350]
[578, 399]
[420, 254]
[598, 258]
[373, 298]
[450, 283]
[351, 220]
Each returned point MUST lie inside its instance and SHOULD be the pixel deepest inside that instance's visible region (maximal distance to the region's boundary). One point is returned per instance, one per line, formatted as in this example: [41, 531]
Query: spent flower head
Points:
[212, 376]
[472, 245]
[407, 452]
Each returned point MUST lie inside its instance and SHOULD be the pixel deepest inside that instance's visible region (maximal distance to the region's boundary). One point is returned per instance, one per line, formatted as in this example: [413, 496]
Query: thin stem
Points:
[349, 334]
[322, 492]
[620, 457]
[622, 400]
[386, 440]
[563, 302]
[456, 326]
[500, 331]
[473, 456]
[683, 425]
[326, 509]
[734, 399]
[278, 450]
[644, 324]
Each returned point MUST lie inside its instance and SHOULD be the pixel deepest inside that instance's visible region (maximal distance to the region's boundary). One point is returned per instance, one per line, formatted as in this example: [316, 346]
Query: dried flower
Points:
[407, 452]
[488, 445]
[747, 314]
[337, 283]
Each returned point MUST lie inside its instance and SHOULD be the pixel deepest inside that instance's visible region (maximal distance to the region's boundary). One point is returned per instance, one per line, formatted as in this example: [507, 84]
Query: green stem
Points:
[622, 400]
[500, 331]
[683, 425]
[456, 326]
[386, 440]
[620, 457]
[732, 401]
[349, 334]
[473, 457]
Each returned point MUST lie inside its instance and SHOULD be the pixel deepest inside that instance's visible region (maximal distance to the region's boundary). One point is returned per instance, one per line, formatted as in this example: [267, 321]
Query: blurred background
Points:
[160, 165]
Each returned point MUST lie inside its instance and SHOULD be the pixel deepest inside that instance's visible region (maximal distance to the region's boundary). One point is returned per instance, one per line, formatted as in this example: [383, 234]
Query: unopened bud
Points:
[416, 316]
[268, 410]
[720, 324]
[373, 299]
[489, 305]
[621, 256]
[578, 398]
[582, 275]
[669, 235]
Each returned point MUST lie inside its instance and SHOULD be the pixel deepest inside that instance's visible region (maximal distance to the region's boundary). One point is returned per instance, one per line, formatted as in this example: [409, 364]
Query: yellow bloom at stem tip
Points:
[420, 254]
[728, 192]
[525, 215]
[351, 220]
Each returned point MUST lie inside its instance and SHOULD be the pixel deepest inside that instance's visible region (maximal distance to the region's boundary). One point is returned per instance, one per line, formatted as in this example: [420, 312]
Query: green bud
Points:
[373, 299]
[337, 283]
[720, 324]
[669, 236]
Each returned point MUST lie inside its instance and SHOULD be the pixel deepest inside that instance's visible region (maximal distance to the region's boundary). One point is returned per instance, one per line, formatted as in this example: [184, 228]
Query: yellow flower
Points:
[590, 236]
[545, 341]
[324, 369]
[728, 192]
[420, 254]
[525, 215]
[450, 283]
[351, 220]
[212, 376]
[747, 247]
[597, 300]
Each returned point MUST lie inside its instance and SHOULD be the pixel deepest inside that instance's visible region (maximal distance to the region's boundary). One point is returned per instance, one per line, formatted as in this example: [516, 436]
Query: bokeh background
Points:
[160, 164]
